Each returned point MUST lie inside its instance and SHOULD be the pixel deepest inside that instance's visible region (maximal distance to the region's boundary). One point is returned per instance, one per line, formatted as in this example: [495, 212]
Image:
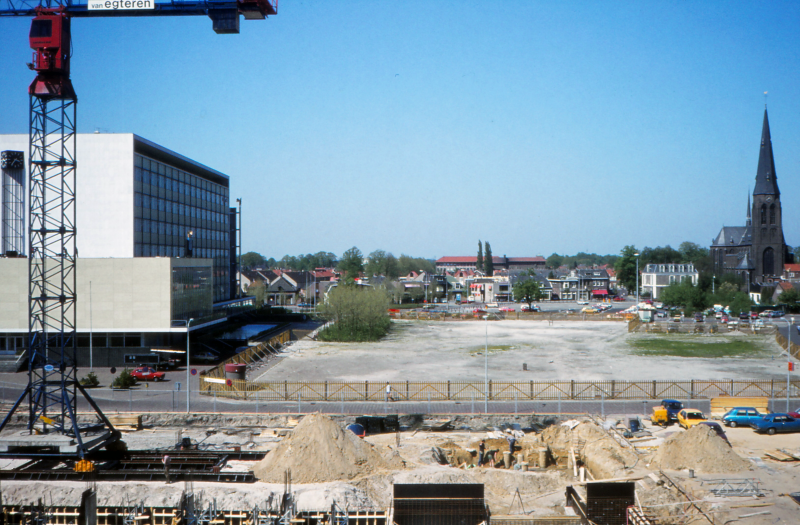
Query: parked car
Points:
[723, 319]
[777, 313]
[492, 305]
[698, 317]
[741, 416]
[795, 414]
[689, 417]
[478, 311]
[716, 427]
[146, 373]
[744, 317]
[619, 298]
[531, 308]
[582, 302]
[766, 314]
[506, 309]
[774, 423]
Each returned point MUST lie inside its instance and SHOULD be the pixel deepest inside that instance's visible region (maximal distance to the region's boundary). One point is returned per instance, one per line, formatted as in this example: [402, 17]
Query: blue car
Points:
[773, 423]
[741, 416]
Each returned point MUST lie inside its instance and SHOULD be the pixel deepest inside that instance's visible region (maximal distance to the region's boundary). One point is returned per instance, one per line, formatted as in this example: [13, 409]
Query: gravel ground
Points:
[432, 351]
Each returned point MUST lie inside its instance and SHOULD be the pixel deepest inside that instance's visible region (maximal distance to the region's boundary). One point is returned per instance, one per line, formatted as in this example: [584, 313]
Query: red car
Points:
[618, 298]
[145, 373]
[478, 311]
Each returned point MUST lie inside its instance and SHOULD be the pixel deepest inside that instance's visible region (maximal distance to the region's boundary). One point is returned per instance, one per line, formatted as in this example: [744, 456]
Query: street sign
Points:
[194, 371]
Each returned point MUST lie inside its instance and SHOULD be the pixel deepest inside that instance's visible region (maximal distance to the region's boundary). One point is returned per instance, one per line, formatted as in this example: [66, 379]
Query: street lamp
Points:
[788, 359]
[637, 278]
[188, 323]
[486, 369]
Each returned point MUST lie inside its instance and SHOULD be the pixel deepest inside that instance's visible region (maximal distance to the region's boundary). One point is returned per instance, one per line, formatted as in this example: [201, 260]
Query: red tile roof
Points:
[791, 267]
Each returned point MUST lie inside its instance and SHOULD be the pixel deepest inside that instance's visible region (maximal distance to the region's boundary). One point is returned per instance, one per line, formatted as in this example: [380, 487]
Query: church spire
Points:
[766, 180]
[749, 220]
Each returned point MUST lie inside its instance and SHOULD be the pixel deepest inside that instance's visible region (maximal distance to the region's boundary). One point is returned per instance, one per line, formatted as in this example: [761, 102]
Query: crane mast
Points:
[53, 386]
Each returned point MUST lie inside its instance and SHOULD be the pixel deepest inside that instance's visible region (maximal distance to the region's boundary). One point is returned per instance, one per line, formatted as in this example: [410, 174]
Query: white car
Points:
[582, 302]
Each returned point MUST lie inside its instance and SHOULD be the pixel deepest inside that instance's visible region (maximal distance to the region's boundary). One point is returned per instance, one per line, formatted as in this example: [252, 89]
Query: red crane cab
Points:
[50, 41]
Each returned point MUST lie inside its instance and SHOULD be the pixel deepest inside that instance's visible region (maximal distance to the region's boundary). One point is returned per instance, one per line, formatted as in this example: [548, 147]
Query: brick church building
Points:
[757, 250]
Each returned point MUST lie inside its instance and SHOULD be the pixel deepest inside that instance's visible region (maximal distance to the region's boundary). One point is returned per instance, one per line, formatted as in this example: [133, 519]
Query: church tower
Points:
[768, 248]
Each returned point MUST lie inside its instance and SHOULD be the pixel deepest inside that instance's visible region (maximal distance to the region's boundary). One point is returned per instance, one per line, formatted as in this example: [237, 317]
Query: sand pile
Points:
[699, 448]
[319, 450]
[602, 455]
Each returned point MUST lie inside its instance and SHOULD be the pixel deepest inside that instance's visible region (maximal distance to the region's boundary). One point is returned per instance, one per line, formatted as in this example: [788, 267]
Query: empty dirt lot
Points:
[579, 350]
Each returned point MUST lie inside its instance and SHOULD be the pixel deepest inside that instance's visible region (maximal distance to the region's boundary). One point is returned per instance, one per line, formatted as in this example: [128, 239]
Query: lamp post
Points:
[91, 349]
[637, 277]
[188, 323]
[486, 369]
[788, 359]
[239, 260]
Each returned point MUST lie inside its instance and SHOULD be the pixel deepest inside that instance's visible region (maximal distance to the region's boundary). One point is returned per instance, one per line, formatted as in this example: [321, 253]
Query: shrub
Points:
[90, 380]
[123, 380]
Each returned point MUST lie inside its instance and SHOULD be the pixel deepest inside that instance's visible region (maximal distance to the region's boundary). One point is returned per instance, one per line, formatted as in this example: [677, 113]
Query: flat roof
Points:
[167, 156]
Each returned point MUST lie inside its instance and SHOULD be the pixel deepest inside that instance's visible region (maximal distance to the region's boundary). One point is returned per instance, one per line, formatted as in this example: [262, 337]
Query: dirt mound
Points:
[602, 455]
[319, 450]
[699, 448]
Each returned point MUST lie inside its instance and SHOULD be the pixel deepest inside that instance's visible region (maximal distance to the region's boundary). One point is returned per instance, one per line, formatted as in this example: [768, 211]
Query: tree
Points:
[554, 261]
[528, 291]
[376, 263]
[626, 268]
[359, 313]
[392, 267]
[479, 260]
[258, 290]
[252, 260]
[351, 263]
[488, 263]
[791, 298]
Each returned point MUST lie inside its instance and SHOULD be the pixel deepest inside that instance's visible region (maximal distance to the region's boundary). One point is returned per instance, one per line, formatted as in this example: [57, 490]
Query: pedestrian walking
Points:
[389, 395]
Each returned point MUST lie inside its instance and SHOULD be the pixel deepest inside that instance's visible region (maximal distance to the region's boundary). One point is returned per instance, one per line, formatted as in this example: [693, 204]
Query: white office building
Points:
[136, 202]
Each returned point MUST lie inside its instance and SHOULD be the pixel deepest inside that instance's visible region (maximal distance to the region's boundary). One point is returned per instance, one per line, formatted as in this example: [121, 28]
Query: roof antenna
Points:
[765, 99]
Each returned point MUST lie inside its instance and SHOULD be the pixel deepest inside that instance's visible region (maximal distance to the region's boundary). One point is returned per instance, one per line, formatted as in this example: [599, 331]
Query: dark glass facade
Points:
[168, 203]
[191, 292]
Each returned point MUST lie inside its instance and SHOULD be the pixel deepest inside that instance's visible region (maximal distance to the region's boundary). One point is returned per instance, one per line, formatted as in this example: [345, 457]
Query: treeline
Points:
[352, 261]
[581, 258]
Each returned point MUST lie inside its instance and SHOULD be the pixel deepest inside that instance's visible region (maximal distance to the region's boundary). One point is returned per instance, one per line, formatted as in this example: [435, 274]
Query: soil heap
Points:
[319, 450]
[699, 448]
[602, 455]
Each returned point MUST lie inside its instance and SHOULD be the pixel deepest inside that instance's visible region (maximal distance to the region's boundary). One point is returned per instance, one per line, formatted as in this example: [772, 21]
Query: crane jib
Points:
[251, 9]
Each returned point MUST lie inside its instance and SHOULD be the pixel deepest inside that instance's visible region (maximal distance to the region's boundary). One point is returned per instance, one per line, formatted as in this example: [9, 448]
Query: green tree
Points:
[258, 290]
[376, 263]
[252, 260]
[791, 298]
[626, 268]
[392, 267]
[528, 291]
[479, 260]
[351, 263]
[359, 313]
[488, 262]
[554, 261]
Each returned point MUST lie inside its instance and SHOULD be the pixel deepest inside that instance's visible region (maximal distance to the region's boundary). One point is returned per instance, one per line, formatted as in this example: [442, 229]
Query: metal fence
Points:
[494, 390]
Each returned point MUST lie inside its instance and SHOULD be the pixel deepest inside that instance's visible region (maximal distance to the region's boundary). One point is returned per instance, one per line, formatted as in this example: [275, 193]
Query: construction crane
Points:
[53, 387]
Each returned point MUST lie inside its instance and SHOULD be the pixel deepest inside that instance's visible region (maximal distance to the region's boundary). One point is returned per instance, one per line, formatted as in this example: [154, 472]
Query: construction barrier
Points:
[497, 390]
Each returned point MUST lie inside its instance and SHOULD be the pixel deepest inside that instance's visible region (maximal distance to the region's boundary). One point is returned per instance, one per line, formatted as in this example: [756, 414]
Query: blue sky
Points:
[422, 127]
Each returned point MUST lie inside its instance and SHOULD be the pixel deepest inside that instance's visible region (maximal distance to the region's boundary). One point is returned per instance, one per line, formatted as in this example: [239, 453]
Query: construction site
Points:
[239, 467]
[538, 420]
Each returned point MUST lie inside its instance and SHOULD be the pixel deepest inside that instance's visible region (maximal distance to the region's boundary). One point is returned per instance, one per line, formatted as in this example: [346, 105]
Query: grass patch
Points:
[662, 346]
[493, 349]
